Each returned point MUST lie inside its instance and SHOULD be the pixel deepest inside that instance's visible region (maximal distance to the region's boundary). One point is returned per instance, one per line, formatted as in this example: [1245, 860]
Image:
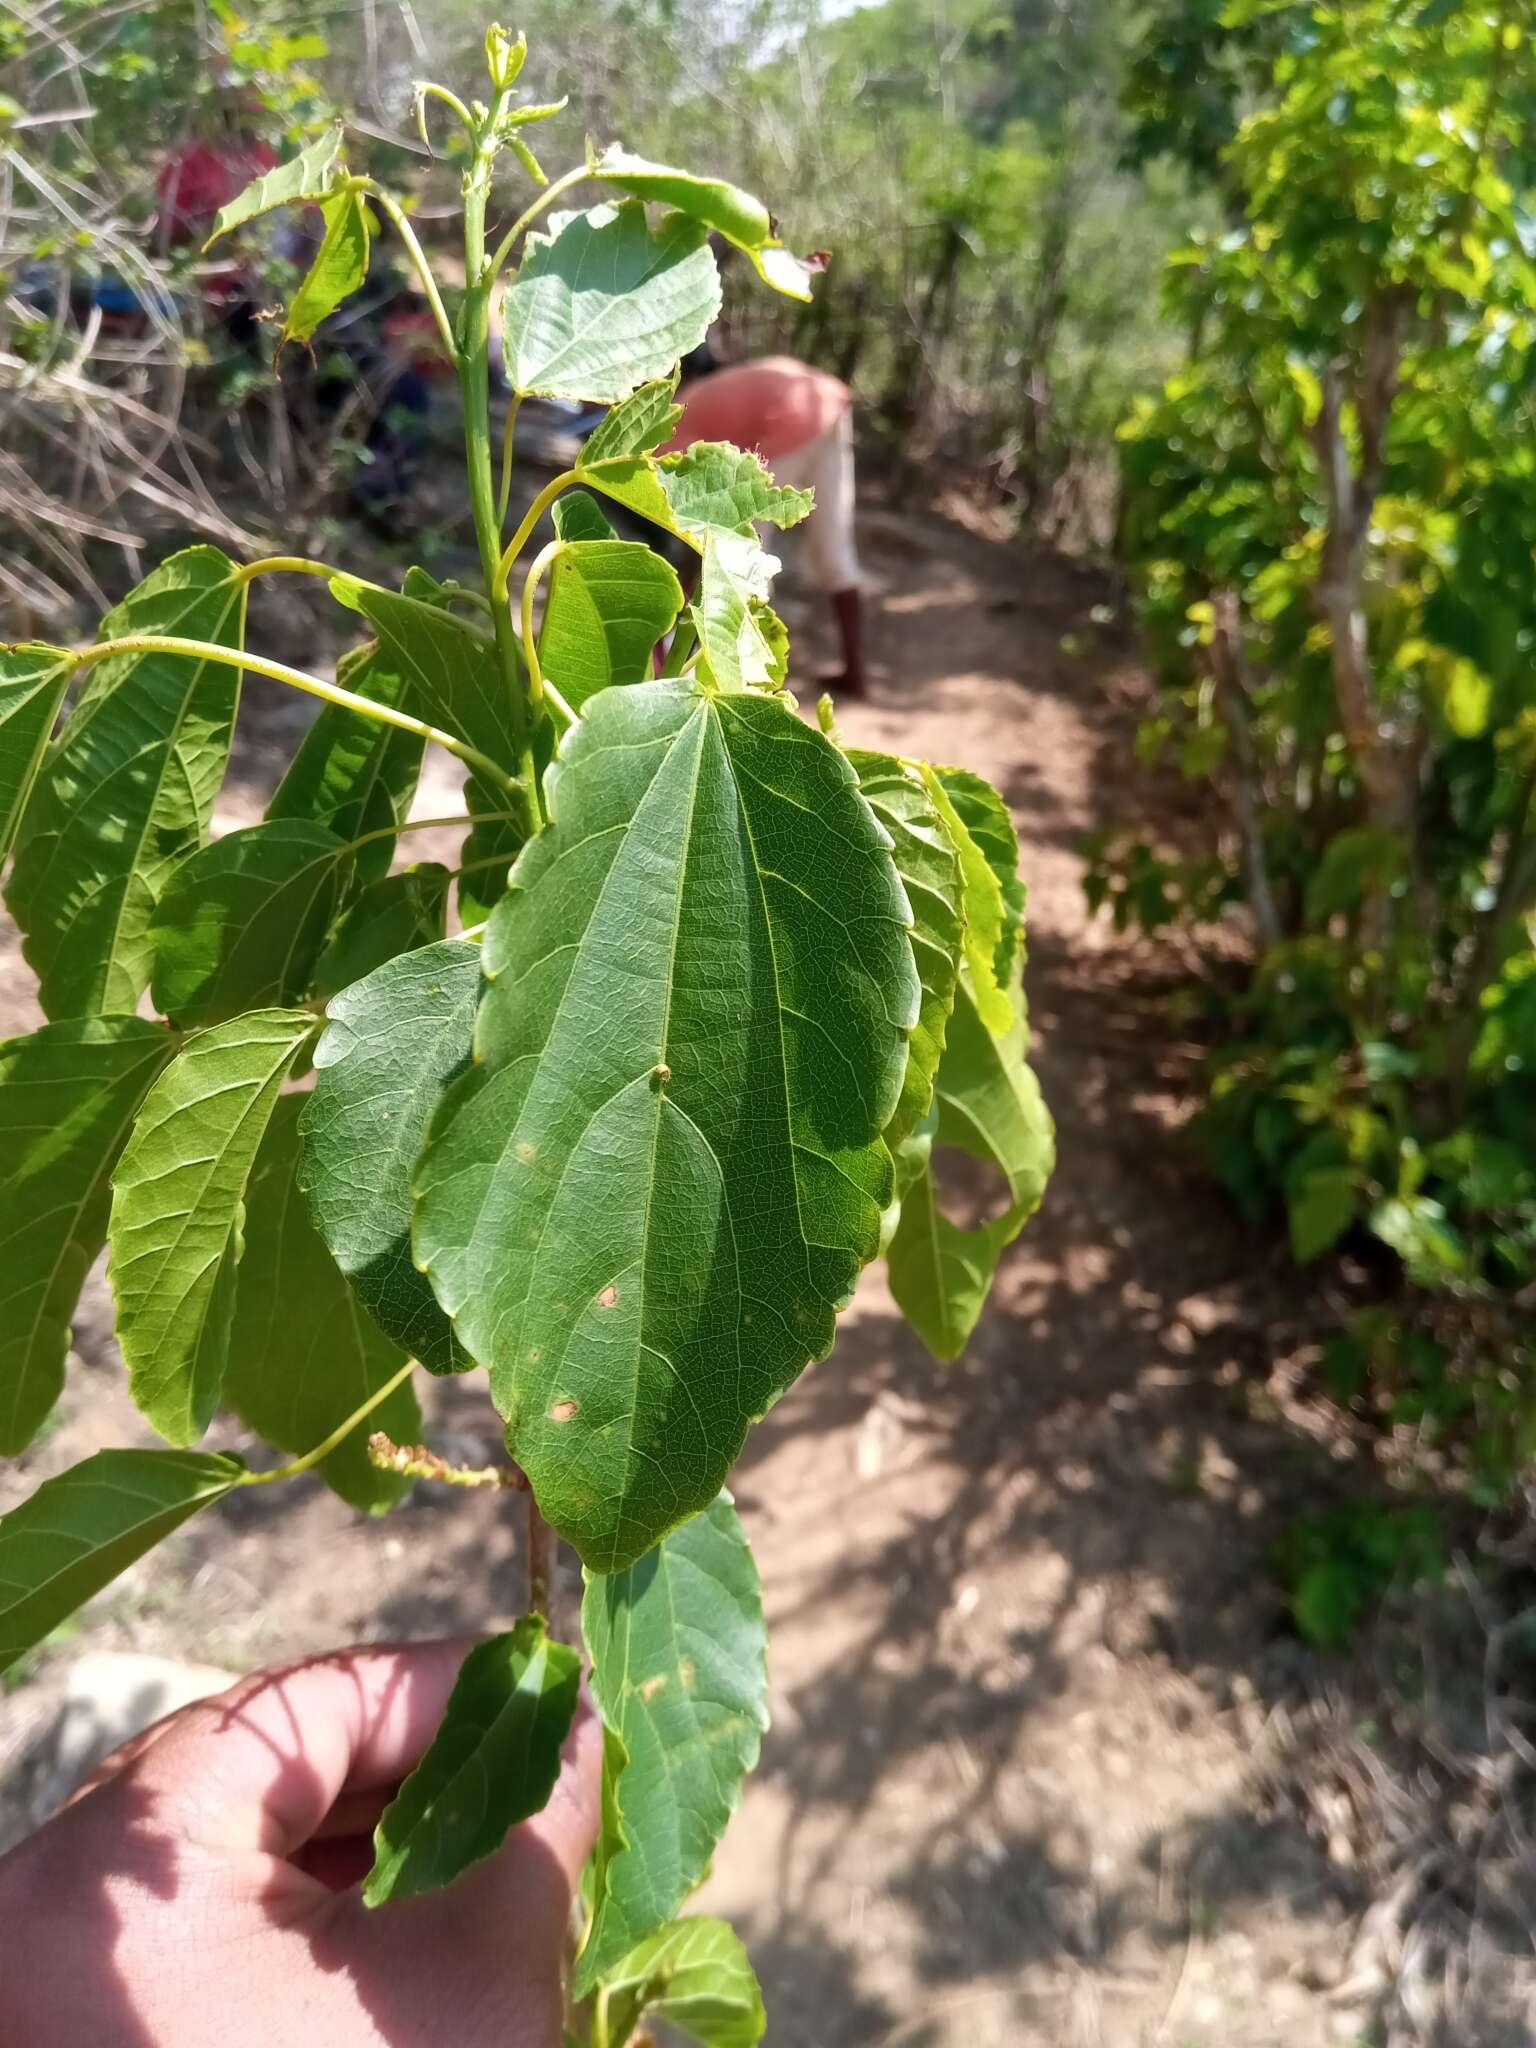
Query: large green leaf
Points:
[177, 1200]
[679, 1671]
[640, 423]
[340, 266]
[722, 207]
[243, 922]
[352, 774]
[127, 790]
[398, 915]
[68, 1094]
[990, 1107]
[708, 487]
[309, 175]
[609, 603]
[392, 1044]
[608, 303]
[492, 1763]
[303, 1355]
[645, 1210]
[930, 873]
[78, 1531]
[33, 682]
[694, 1974]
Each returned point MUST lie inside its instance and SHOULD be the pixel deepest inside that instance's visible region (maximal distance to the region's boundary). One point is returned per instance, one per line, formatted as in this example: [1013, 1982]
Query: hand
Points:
[200, 1892]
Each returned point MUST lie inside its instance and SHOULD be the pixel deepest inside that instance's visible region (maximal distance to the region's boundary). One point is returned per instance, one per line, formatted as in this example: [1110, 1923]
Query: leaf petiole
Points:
[296, 678]
[418, 256]
[530, 520]
[530, 214]
[338, 1435]
[541, 562]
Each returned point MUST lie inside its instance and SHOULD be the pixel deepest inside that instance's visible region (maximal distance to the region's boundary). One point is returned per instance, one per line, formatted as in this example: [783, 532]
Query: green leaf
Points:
[743, 641]
[68, 1094]
[607, 304]
[340, 267]
[722, 207]
[710, 486]
[352, 774]
[640, 423]
[990, 1107]
[393, 1043]
[127, 790]
[1321, 1209]
[176, 1212]
[492, 1763]
[679, 1671]
[985, 816]
[398, 915]
[644, 1215]
[694, 1974]
[982, 908]
[309, 175]
[608, 603]
[930, 873]
[33, 683]
[578, 516]
[243, 922]
[80, 1530]
[303, 1356]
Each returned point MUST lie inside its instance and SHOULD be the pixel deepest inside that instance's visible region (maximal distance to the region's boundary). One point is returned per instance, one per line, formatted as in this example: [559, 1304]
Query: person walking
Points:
[800, 421]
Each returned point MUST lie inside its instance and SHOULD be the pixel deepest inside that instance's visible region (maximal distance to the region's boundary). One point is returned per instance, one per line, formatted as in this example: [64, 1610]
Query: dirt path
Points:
[1022, 1647]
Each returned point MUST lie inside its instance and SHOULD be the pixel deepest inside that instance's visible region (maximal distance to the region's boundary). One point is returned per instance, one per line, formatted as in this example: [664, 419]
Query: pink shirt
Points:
[775, 406]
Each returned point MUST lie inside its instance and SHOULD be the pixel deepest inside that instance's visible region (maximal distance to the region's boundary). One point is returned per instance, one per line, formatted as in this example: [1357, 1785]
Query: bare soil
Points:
[1028, 1663]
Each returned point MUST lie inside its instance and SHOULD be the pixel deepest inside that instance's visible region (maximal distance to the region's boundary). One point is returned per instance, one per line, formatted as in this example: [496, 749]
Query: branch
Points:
[1229, 664]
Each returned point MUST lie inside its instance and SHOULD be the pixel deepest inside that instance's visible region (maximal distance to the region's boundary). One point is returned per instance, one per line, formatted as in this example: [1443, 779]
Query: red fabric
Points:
[776, 406]
[201, 178]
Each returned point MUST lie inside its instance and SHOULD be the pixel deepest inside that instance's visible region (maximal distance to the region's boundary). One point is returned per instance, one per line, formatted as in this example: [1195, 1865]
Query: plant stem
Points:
[338, 1435]
[419, 262]
[530, 520]
[503, 496]
[685, 637]
[473, 359]
[296, 678]
[541, 562]
[540, 1557]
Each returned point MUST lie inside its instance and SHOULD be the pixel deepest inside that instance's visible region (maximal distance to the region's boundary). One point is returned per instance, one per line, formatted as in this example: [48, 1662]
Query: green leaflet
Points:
[608, 603]
[393, 1043]
[743, 640]
[243, 922]
[451, 677]
[309, 175]
[33, 682]
[352, 774]
[706, 487]
[985, 816]
[989, 1106]
[578, 516]
[695, 1974]
[176, 1212]
[68, 1094]
[608, 303]
[679, 1671]
[302, 1354]
[982, 907]
[640, 423]
[645, 1213]
[398, 915]
[78, 1531]
[723, 207]
[492, 1763]
[339, 269]
[930, 873]
[127, 790]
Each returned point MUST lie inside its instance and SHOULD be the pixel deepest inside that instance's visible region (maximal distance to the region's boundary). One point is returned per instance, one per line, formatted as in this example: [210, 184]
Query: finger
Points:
[260, 1766]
